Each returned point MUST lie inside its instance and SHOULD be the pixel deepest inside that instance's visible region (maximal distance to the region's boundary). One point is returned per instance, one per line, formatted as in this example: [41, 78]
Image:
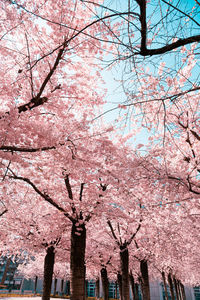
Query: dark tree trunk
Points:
[97, 288]
[55, 286]
[179, 290]
[68, 288]
[86, 288]
[137, 291]
[182, 288]
[145, 279]
[171, 286]
[132, 282]
[115, 289]
[176, 288]
[48, 273]
[119, 280]
[105, 283]
[62, 287]
[165, 286]
[77, 262]
[6, 270]
[35, 285]
[124, 261]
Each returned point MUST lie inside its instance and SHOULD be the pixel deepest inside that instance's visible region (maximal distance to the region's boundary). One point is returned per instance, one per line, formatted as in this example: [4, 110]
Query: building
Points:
[12, 282]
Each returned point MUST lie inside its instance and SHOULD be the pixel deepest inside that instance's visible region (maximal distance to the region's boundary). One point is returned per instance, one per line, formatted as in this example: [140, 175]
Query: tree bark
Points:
[182, 288]
[68, 288]
[132, 283]
[48, 273]
[35, 285]
[105, 283]
[97, 288]
[137, 291]
[124, 261]
[86, 288]
[171, 287]
[115, 289]
[165, 286]
[145, 279]
[119, 280]
[77, 262]
[176, 288]
[55, 286]
[8, 261]
[179, 289]
[62, 287]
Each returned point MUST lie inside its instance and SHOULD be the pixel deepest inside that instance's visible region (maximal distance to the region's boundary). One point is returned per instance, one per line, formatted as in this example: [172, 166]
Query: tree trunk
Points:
[131, 278]
[8, 261]
[105, 283]
[97, 288]
[179, 289]
[176, 288]
[35, 285]
[115, 289]
[68, 288]
[171, 287]
[55, 286]
[119, 280]
[62, 287]
[165, 286]
[137, 291]
[48, 273]
[77, 262]
[124, 261]
[182, 288]
[86, 288]
[145, 280]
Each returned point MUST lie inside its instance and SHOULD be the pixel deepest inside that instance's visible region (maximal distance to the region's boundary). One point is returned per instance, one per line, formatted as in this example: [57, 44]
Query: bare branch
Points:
[6, 170]
[113, 232]
[70, 194]
[142, 4]
[195, 134]
[169, 47]
[134, 234]
[44, 195]
[68, 186]
[2, 213]
[149, 52]
[182, 12]
[27, 150]
[38, 100]
[81, 191]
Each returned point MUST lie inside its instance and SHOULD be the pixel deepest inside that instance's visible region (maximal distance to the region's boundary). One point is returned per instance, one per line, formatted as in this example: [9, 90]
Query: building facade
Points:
[12, 282]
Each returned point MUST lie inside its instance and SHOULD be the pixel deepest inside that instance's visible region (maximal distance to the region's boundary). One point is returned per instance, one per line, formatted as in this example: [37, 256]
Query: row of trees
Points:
[74, 189]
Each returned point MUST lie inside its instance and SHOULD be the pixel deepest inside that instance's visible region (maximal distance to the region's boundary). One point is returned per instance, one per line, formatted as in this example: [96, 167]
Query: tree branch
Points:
[38, 100]
[5, 211]
[172, 46]
[68, 186]
[149, 52]
[113, 233]
[195, 134]
[21, 149]
[81, 191]
[44, 195]
[134, 234]
[70, 194]
[142, 4]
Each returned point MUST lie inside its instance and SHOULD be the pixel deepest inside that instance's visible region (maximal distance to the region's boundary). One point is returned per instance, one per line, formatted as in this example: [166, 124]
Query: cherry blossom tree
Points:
[36, 228]
[52, 154]
[46, 91]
